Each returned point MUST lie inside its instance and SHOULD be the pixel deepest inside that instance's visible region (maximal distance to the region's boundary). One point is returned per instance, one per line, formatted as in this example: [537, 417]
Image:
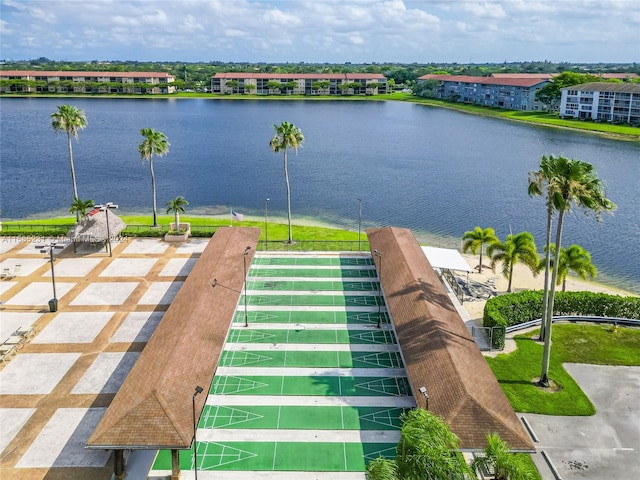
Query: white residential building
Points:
[602, 101]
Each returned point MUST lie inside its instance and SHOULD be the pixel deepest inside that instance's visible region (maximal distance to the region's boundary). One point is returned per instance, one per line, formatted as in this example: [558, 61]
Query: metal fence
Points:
[453, 283]
[489, 338]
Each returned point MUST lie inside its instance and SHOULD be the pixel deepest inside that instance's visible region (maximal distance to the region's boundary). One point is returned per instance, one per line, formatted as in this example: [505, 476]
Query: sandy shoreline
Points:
[489, 282]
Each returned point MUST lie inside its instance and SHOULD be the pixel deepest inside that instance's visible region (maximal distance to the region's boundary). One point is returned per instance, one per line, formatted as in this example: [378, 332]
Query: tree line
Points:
[198, 74]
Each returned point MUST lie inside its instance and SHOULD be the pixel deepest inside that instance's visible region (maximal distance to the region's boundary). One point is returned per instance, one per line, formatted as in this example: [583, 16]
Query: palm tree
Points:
[574, 258]
[69, 119]
[573, 182]
[516, 248]
[287, 136]
[476, 239]
[498, 458]
[578, 260]
[80, 207]
[426, 450]
[154, 143]
[176, 206]
[539, 182]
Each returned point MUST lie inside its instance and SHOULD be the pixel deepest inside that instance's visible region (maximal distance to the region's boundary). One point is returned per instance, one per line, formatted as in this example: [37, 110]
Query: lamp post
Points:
[359, 221]
[49, 248]
[104, 208]
[379, 255]
[266, 223]
[244, 258]
[195, 427]
[423, 391]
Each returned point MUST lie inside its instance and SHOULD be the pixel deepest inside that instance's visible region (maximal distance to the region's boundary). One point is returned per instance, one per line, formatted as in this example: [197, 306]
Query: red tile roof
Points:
[437, 349]
[299, 76]
[40, 73]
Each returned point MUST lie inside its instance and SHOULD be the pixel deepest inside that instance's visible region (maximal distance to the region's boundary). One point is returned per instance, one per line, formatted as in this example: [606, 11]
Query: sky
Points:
[322, 31]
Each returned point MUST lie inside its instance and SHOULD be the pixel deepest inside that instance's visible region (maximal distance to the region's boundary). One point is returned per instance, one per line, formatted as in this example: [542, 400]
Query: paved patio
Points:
[55, 390]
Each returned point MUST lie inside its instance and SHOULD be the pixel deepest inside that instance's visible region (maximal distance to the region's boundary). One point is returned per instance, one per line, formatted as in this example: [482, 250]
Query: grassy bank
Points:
[202, 226]
[591, 344]
[533, 117]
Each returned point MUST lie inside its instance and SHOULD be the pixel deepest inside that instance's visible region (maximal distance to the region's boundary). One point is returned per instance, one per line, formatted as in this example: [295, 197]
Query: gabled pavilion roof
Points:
[438, 351]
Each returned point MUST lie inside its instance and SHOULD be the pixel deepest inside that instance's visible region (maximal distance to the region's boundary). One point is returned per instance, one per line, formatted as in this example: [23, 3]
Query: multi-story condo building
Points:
[34, 81]
[517, 92]
[299, 83]
[602, 101]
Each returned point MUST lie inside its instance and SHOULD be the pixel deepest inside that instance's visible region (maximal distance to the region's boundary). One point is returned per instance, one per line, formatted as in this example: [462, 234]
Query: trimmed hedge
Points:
[514, 308]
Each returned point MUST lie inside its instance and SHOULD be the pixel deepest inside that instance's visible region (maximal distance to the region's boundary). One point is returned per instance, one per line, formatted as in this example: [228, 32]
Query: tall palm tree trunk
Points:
[73, 172]
[544, 376]
[153, 192]
[547, 263]
[286, 180]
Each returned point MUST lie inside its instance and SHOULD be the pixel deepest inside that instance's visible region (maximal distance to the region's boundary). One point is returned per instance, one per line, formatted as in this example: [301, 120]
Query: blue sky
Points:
[334, 31]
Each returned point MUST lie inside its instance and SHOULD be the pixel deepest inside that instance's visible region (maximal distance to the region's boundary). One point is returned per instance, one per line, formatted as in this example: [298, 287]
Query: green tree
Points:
[176, 205]
[287, 136]
[574, 258]
[154, 143]
[69, 119]
[518, 248]
[474, 241]
[426, 451]
[551, 93]
[573, 182]
[543, 182]
[506, 465]
[80, 207]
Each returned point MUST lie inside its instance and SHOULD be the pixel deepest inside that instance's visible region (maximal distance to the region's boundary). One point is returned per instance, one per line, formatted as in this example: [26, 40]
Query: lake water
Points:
[435, 171]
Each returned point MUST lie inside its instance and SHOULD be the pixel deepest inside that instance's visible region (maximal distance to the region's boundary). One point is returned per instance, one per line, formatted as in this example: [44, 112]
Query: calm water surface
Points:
[435, 171]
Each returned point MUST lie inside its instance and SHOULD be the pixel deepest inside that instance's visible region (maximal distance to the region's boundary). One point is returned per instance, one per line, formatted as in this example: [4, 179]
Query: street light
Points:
[423, 391]
[104, 208]
[266, 223]
[379, 255]
[195, 446]
[359, 221]
[49, 248]
[244, 258]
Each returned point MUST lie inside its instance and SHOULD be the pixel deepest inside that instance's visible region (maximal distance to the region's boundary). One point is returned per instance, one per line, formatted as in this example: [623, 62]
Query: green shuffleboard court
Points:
[310, 316]
[311, 384]
[301, 417]
[355, 337]
[306, 359]
[333, 272]
[313, 286]
[311, 300]
[327, 386]
[336, 261]
[279, 456]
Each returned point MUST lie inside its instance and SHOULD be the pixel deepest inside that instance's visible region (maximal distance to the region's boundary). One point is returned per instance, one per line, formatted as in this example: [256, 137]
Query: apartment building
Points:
[34, 81]
[603, 102]
[299, 83]
[514, 92]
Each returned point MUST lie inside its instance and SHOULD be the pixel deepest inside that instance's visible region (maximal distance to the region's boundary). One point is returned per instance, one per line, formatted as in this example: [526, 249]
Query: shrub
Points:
[515, 308]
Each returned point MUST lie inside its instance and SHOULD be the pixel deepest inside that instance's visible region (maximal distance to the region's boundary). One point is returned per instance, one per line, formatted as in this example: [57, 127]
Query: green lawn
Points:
[572, 343]
[141, 226]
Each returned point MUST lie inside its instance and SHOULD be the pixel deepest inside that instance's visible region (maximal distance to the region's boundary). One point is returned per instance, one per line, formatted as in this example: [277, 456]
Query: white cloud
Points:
[323, 30]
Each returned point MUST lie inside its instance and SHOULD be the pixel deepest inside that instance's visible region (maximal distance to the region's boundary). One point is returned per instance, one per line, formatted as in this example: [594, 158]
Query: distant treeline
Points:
[194, 75]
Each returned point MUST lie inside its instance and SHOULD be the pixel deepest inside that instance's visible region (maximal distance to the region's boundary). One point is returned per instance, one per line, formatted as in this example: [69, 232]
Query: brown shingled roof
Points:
[153, 408]
[438, 350]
